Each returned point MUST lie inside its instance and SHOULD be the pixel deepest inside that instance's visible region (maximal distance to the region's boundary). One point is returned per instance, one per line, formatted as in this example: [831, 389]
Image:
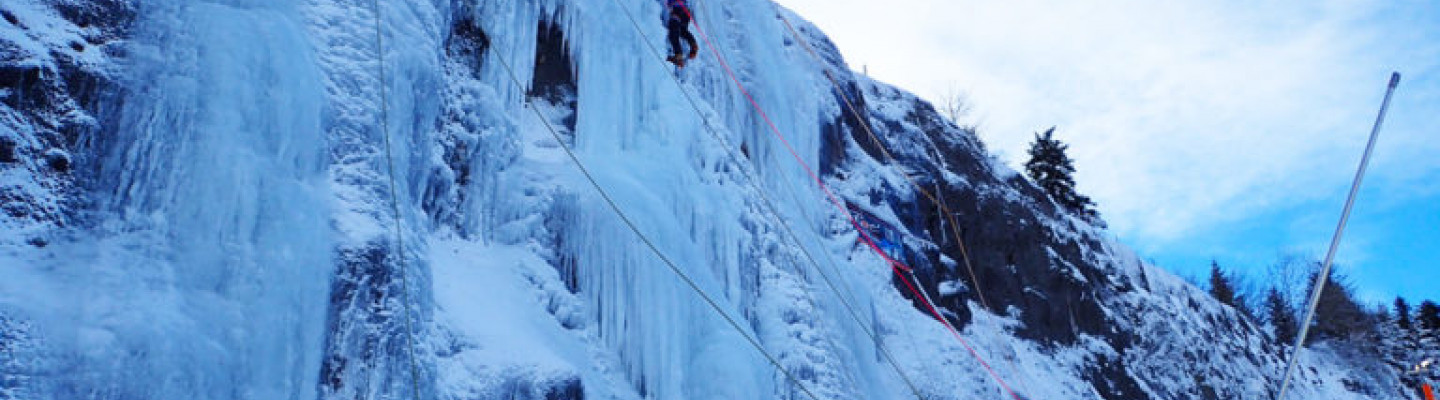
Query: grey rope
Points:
[936, 198]
[949, 215]
[395, 202]
[646, 240]
[773, 210]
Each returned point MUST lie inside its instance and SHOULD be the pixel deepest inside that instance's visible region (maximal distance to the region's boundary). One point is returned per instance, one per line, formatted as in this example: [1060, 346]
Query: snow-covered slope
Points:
[348, 199]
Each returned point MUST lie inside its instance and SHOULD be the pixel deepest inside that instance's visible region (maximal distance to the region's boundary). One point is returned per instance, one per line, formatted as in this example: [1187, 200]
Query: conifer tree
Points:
[1221, 285]
[1338, 315]
[1282, 317]
[1054, 171]
[1428, 315]
[1402, 313]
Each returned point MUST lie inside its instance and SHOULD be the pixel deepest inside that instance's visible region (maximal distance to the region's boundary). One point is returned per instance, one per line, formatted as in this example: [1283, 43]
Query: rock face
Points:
[57, 69]
[1148, 335]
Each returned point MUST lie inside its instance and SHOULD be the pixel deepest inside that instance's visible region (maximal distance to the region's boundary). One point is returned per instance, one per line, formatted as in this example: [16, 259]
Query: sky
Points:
[1219, 129]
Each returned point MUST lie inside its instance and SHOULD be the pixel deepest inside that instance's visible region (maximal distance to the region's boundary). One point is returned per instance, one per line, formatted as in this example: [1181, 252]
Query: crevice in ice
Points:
[467, 41]
[562, 215]
[554, 77]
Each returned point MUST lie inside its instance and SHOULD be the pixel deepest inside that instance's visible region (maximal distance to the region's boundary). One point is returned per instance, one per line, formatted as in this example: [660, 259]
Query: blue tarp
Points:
[886, 237]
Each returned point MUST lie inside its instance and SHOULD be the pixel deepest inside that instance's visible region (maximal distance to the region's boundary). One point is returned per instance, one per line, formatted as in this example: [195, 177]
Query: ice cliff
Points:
[337, 199]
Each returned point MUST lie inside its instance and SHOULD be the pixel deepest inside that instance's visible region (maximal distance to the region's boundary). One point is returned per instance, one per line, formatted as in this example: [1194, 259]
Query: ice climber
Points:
[677, 21]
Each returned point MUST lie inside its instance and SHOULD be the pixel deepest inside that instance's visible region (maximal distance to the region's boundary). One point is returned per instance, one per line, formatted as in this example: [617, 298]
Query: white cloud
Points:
[1181, 115]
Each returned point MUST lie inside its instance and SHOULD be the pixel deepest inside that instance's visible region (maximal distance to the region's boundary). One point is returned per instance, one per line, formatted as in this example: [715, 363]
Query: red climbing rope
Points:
[900, 268]
[864, 235]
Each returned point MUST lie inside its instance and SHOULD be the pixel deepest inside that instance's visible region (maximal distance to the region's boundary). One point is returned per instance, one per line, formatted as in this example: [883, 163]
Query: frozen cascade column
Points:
[376, 331]
[209, 278]
[653, 154]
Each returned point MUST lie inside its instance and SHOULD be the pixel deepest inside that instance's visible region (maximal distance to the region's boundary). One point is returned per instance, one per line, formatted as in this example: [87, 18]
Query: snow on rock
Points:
[56, 61]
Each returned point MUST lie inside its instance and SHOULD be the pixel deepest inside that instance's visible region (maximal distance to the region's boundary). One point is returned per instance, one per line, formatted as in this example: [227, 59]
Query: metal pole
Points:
[1335, 241]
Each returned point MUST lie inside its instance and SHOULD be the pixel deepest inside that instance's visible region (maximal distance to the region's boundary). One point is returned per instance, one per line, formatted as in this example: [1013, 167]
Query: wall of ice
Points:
[359, 199]
[201, 265]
